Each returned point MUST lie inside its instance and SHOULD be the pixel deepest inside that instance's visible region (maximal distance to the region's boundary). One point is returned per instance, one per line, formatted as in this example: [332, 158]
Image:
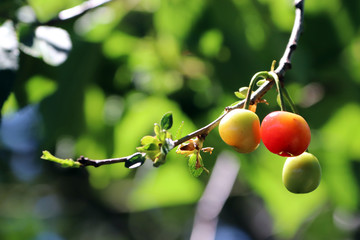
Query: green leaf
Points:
[156, 129]
[260, 82]
[151, 147]
[166, 121]
[242, 92]
[195, 164]
[149, 139]
[168, 135]
[151, 150]
[135, 161]
[160, 159]
[239, 95]
[162, 135]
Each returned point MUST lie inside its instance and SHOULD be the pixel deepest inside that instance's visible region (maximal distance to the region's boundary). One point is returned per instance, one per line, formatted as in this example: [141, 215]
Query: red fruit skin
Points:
[284, 133]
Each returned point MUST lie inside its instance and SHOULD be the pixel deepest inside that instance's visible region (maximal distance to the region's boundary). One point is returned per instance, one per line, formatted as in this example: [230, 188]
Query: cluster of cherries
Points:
[283, 133]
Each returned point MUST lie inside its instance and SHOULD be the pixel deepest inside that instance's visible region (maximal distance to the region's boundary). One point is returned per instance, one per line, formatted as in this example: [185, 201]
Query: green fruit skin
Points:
[301, 174]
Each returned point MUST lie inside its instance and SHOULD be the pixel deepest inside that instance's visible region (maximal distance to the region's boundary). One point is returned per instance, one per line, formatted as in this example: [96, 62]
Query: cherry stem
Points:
[275, 77]
[290, 101]
[253, 80]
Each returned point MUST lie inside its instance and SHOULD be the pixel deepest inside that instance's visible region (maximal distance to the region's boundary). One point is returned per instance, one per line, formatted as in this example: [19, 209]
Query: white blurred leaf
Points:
[9, 52]
[52, 44]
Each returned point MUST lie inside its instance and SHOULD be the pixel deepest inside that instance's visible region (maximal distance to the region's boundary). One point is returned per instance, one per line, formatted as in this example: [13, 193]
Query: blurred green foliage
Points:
[133, 61]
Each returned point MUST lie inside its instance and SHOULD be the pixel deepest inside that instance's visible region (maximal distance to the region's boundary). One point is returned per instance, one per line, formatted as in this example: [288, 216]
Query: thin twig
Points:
[285, 61]
[97, 163]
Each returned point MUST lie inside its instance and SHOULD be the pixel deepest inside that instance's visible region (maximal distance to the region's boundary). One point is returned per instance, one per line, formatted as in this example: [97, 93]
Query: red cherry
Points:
[284, 133]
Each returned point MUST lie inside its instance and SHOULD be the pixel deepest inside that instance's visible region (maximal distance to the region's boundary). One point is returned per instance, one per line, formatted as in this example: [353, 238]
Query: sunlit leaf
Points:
[52, 44]
[166, 121]
[162, 135]
[9, 52]
[242, 92]
[151, 147]
[157, 129]
[148, 140]
[160, 159]
[195, 164]
[168, 135]
[260, 82]
[239, 95]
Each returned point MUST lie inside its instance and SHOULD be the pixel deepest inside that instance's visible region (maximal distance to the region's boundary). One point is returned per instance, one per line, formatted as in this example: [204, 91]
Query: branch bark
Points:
[84, 161]
[285, 61]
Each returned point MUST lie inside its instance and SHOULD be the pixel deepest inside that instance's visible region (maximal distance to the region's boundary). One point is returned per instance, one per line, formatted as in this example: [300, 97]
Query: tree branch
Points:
[84, 161]
[284, 65]
[285, 61]
[132, 161]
